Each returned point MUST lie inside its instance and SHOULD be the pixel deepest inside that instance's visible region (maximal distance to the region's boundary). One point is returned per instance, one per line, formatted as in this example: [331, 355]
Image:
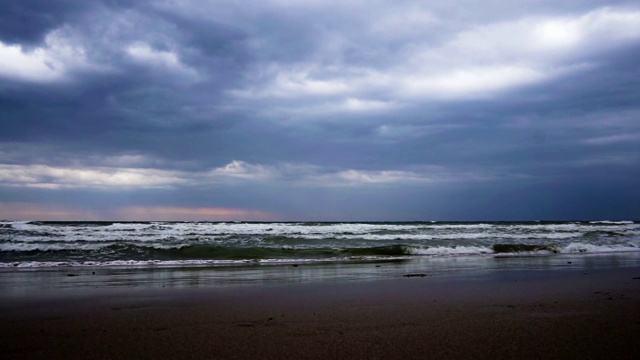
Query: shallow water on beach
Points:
[38, 256]
[14, 282]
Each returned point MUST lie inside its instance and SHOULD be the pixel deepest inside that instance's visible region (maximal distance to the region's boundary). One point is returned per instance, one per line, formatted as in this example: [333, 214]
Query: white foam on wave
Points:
[461, 236]
[25, 247]
[623, 222]
[84, 246]
[595, 249]
[426, 239]
[533, 253]
[18, 225]
[157, 232]
[180, 263]
[122, 263]
[445, 250]
[461, 226]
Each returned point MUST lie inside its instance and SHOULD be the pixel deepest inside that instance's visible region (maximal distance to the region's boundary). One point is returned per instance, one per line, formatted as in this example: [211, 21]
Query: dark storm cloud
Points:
[365, 109]
[128, 104]
[29, 21]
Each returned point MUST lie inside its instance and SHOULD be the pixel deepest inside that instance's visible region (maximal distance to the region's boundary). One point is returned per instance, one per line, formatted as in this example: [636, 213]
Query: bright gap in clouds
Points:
[53, 61]
[43, 176]
[236, 172]
[36, 65]
[162, 60]
[477, 62]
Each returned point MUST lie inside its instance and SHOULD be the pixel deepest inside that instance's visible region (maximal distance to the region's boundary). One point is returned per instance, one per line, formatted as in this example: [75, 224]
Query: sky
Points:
[319, 110]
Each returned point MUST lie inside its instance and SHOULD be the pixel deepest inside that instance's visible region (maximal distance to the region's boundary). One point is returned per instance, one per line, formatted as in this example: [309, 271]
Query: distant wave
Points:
[32, 244]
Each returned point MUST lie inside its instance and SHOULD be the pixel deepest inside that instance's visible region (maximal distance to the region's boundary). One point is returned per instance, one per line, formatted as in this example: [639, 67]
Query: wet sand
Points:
[511, 314]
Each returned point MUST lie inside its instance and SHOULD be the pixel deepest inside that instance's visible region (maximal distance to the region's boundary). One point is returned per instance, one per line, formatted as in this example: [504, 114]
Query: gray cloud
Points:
[321, 109]
[28, 21]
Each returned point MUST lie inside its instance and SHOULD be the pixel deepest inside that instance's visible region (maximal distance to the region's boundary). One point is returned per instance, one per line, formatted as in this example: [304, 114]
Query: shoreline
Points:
[593, 313]
[26, 281]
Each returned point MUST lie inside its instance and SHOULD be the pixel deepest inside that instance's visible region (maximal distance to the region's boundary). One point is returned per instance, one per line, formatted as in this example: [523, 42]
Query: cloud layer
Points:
[320, 110]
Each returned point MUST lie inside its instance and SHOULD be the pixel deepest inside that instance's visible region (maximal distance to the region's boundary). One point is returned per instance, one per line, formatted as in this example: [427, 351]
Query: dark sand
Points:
[593, 314]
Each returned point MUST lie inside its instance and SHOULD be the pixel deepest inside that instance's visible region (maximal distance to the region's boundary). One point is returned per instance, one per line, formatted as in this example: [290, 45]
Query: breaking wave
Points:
[37, 244]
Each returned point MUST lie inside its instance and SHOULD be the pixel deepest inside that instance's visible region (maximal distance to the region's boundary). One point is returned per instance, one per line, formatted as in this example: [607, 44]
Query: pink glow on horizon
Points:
[31, 211]
[167, 213]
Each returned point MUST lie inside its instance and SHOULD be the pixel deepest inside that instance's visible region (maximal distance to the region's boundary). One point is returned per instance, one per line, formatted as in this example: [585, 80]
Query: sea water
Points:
[218, 253]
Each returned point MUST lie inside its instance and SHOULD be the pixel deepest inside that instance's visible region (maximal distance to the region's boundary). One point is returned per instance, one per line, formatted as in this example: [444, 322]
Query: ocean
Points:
[219, 253]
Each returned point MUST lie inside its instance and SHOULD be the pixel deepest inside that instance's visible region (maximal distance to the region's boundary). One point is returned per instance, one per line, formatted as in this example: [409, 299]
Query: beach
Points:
[280, 179]
[586, 313]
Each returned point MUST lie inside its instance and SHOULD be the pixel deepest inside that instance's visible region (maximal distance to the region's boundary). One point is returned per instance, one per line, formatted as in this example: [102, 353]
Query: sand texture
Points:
[532, 315]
